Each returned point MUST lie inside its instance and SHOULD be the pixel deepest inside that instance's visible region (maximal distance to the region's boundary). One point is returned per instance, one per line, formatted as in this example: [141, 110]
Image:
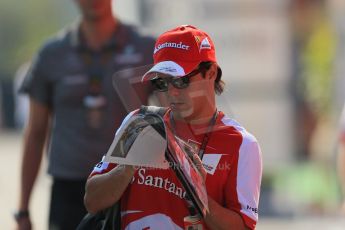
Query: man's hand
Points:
[198, 163]
[218, 217]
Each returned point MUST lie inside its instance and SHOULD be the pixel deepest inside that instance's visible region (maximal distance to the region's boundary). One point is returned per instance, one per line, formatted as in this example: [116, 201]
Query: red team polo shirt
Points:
[232, 159]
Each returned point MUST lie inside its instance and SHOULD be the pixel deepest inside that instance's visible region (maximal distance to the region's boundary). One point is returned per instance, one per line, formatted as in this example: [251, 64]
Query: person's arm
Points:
[341, 167]
[34, 139]
[103, 190]
[220, 218]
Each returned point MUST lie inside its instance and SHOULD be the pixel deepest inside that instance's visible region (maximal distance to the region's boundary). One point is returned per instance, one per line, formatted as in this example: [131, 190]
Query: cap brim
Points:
[170, 68]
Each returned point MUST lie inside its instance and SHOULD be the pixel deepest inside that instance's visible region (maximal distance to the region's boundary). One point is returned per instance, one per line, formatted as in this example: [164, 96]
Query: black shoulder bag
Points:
[107, 219]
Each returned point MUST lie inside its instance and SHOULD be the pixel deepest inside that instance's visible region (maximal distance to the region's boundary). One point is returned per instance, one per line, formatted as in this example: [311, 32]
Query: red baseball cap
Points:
[179, 51]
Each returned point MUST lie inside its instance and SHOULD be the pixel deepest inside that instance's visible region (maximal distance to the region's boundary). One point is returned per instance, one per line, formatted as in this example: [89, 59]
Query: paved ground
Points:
[10, 149]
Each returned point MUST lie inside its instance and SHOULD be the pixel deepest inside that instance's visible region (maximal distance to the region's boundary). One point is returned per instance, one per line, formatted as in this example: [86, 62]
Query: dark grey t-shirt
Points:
[59, 79]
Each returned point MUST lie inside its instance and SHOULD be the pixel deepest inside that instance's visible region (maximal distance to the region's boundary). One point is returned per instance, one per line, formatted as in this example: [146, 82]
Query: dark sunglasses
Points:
[161, 84]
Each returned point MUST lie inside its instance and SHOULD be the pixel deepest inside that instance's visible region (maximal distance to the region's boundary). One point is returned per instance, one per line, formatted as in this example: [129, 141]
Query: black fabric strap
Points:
[206, 136]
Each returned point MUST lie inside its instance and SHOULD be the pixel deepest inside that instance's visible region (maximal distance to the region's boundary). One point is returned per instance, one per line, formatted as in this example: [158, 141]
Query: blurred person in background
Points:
[186, 71]
[341, 157]
[74, 108]
[314, 45]
[314, 54]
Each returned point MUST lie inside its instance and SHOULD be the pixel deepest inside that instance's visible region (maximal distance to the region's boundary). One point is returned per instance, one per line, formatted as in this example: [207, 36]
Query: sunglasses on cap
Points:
[162, 83]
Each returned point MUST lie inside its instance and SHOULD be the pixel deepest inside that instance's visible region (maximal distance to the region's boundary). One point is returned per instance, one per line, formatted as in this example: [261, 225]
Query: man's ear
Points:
[212, 72]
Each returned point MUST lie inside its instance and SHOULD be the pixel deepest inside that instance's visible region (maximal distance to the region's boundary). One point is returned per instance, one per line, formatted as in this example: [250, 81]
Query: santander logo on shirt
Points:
[159, 182]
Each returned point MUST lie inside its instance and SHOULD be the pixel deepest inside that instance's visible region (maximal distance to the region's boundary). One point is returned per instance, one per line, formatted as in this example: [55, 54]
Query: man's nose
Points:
[173, 90]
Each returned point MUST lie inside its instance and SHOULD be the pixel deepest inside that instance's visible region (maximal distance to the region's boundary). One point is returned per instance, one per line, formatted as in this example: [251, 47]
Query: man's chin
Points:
[95, 15]
[183, 113]
[91, 16]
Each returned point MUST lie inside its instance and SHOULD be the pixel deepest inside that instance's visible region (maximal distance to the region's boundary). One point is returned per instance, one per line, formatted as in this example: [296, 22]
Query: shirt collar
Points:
[118, 40]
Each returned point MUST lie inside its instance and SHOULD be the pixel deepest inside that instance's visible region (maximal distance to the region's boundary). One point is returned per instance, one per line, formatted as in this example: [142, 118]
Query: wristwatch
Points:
[21, 214]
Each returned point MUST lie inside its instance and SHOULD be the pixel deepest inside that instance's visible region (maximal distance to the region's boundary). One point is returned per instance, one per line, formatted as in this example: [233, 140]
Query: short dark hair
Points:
[219, 83]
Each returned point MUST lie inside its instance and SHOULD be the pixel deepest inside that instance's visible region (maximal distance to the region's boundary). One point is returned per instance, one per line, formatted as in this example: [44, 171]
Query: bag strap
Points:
[112, 218]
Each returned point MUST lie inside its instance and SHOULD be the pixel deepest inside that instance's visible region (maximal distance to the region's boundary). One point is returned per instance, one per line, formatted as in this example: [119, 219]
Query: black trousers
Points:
[67, 204]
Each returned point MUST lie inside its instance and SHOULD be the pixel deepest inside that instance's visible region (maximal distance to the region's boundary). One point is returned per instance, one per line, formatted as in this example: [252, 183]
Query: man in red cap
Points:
[186, 73]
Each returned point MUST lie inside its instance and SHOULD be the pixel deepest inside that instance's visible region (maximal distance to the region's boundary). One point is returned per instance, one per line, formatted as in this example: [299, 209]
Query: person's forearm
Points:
[30, 165]
[220, 218]
[104, 190]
